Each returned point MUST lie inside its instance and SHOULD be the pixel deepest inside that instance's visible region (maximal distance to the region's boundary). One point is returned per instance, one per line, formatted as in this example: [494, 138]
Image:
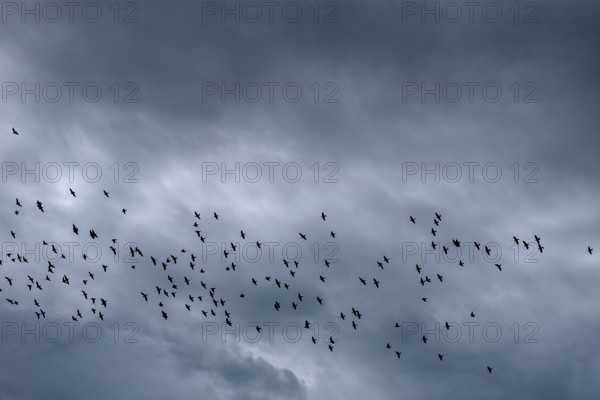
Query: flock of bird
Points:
[185, 284]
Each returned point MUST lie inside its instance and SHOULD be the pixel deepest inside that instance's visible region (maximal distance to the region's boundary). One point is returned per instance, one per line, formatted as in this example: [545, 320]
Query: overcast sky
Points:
[270, 113]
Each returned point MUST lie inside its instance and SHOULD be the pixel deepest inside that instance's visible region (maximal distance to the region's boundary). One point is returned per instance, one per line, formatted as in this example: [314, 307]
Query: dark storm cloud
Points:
[162, 108]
